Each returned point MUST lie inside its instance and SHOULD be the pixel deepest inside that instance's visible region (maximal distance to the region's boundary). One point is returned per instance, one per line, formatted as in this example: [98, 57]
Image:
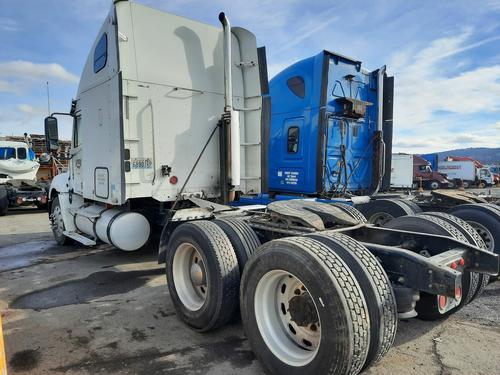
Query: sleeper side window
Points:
[297, 86]
[293, 140]
[101, 53]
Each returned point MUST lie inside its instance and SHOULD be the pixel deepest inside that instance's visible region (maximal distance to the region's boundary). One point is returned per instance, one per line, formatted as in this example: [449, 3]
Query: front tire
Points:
[4, 201]
[434, 185]
[303, 310]
[57, 223]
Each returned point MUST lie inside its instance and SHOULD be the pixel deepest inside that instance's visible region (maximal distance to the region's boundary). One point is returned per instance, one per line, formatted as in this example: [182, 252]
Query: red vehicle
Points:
[422, 171]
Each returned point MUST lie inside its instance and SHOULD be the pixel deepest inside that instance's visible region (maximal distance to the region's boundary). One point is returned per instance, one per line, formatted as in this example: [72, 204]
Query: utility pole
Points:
[48, 98]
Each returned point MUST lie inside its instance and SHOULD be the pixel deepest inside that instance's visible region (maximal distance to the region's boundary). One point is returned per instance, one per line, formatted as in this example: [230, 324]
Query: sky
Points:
[444, 55]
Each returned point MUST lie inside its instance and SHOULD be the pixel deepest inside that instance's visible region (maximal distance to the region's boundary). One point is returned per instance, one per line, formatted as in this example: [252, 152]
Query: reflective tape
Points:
[3, 364]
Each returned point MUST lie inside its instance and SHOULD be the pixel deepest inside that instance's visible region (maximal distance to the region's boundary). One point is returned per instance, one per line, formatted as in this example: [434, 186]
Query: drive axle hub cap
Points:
[190, 276]
[379, 219]
[485, 234]
[287, 318]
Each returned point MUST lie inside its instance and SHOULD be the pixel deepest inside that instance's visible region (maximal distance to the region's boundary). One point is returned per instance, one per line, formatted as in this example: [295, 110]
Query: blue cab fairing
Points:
[316, 146]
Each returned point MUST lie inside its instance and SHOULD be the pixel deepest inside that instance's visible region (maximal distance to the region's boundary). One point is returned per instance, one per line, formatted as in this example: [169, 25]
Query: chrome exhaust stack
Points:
[230, 117]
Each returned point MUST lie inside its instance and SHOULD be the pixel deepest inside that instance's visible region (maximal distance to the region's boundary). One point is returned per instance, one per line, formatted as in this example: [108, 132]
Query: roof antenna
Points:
[48, 98]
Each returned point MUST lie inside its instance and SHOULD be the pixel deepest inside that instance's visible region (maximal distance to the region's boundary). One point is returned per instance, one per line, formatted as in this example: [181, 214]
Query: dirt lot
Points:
[75, 310]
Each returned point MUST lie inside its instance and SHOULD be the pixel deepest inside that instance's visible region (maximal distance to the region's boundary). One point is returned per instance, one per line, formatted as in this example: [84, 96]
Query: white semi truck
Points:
[18, 184]
[169, 126]
[465, 172]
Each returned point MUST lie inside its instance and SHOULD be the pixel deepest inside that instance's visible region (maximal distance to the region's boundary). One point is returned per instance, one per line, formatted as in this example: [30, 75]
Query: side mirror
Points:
[51, 134]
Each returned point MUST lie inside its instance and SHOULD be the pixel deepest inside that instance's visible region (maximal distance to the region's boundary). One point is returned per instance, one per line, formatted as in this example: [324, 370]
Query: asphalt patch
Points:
[192, 359]
[96, 285]
[25, 360]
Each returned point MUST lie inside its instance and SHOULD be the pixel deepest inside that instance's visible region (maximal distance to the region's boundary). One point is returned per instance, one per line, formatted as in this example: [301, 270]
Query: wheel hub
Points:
[287, 317]
[197, 274]
[190, 276]
[302, 310]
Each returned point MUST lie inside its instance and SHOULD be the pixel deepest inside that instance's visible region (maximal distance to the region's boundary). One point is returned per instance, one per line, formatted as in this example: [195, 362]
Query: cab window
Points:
[293, 140]
[101, 53]
[76, 132]
[297, 86]
[21, 153]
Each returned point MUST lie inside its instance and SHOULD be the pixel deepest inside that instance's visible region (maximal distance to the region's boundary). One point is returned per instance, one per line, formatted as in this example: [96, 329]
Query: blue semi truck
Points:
[331, 128]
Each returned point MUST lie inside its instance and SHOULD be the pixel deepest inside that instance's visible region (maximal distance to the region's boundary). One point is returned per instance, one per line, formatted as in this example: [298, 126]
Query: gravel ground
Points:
[76, 310]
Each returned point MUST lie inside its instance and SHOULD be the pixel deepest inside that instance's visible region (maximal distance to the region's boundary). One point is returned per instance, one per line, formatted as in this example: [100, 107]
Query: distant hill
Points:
[483, 154]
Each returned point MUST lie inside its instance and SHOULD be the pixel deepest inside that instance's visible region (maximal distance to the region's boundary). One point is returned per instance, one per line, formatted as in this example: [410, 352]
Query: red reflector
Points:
[173, 180]
[453, 265]
[442, 302]
[461, 261]
[458, 292]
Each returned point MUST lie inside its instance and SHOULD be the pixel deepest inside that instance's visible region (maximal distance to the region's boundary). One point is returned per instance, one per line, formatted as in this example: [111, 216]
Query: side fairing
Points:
[96, 156]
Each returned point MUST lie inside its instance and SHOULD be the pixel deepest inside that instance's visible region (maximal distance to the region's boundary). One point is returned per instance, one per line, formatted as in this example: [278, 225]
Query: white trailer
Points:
[402, 171]
[155, 90]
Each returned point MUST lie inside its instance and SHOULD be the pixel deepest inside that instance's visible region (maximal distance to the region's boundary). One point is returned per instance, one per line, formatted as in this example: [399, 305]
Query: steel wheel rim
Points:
[190, 276]
[380, 218]
[283, 336]
[57, 222]
[485, 234]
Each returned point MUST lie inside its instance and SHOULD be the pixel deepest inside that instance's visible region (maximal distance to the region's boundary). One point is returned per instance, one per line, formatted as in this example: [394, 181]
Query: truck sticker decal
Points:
[141, 163]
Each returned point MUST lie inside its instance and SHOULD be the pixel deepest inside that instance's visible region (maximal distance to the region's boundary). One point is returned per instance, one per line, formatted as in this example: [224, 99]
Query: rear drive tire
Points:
[376, 288]
[303, 310]
[380, 211]
[427, 307]
[57, 223]
[241, 236]
[4, 201]
[202, 275]
[473, 237]
[485, 219]
[413, 206]
[351, 210]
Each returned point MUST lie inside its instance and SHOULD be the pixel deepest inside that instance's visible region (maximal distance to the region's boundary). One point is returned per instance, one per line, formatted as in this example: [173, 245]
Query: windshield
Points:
[7, 153]
[21, 153]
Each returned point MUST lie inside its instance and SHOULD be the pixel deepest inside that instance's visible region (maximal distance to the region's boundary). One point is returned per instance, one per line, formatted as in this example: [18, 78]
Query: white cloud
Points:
[441, 140]
[18, 76]
[468, 139]
[8, 24]
[30, 69]
[31, 110]
[423, 87]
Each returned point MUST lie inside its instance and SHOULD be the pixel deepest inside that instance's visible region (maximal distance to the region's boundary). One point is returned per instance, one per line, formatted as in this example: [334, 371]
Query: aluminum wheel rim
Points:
[190, 276]
[380, 218]
[57, 222]
[485, 234]
[293, 344]
[434, 185]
